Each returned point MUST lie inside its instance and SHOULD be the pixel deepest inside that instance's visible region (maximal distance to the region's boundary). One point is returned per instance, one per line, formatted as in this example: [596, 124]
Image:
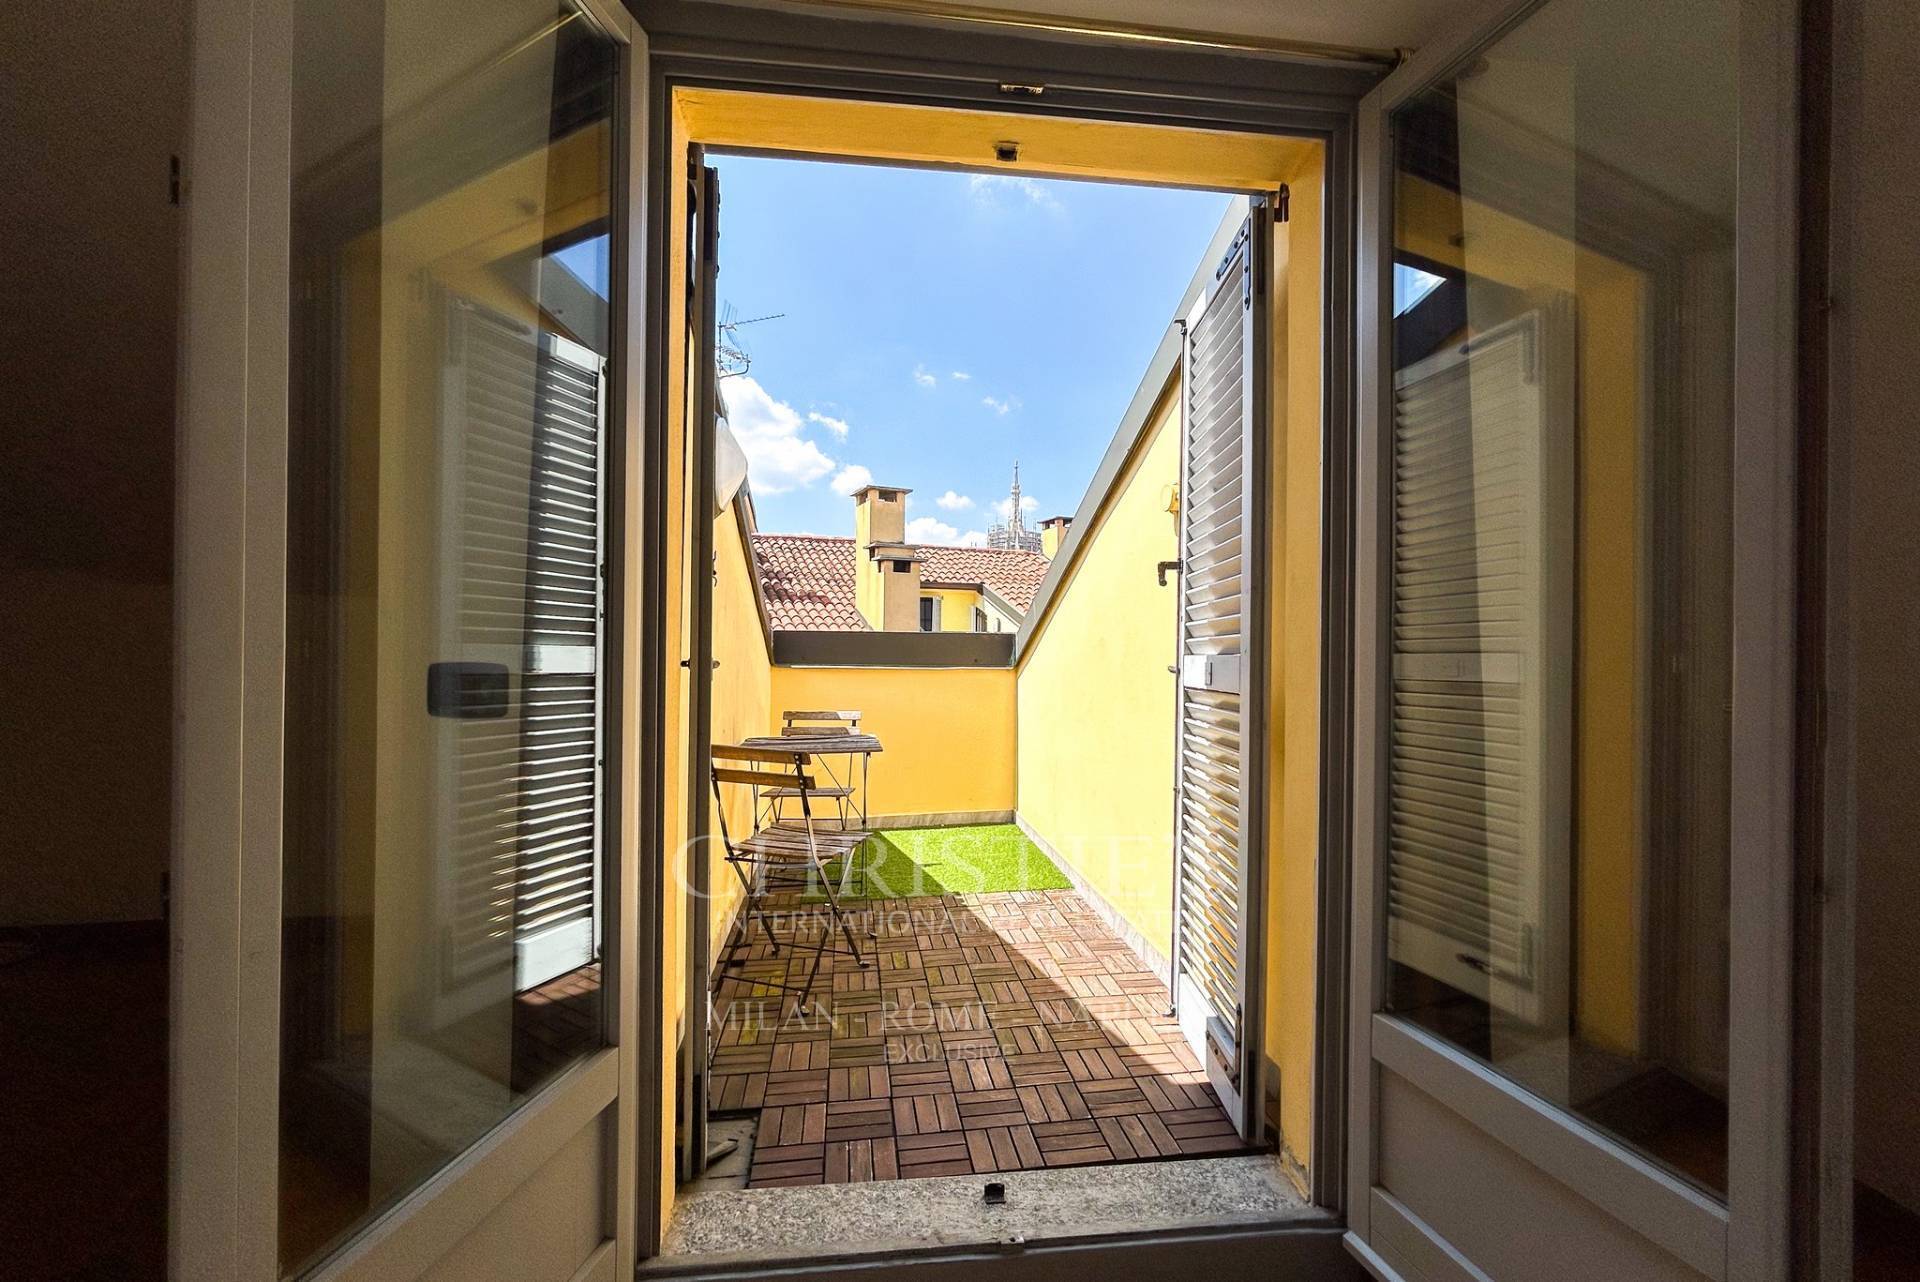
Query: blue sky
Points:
[936, 327]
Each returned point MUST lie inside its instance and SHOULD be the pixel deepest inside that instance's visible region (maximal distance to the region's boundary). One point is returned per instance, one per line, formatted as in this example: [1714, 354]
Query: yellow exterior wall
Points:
[1609, 863]
[956, 607]
[673, 918]
[741, 701]
[1097, 702]
[948, 732]
[1293, 744]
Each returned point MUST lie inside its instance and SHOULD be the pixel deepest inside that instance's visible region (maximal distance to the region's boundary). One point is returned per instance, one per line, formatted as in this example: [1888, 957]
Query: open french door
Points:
[703, 400]
[1571, 932]
[1219, 778]
[402, 906]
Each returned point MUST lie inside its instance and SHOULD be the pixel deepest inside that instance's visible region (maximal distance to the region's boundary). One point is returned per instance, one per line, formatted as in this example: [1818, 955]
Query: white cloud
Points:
[960, 375]
[1028, 503]
[1001, 406]
[931, 529]
[838, 426]
[850, 478]
[973, 539]
[954, 502]
[986, 191]
[779, 459]
[922, 377]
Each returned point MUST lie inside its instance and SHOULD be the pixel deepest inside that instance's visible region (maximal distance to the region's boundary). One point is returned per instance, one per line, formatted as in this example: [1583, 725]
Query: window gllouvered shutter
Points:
[560, 785]
[1216, 877]
[1478, 827]
[522, 528]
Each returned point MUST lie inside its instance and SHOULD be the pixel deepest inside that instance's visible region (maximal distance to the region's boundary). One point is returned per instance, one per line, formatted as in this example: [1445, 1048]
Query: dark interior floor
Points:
[1886, 1238]
[83, 1129]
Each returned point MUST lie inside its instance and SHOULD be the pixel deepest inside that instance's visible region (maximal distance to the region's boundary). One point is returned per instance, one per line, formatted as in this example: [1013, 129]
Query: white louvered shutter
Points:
[1481, 607]
[523, 526]
[1212, 887]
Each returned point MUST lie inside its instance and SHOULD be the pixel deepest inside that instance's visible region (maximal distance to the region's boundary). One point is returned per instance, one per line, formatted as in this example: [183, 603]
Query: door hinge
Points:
[1282, 204]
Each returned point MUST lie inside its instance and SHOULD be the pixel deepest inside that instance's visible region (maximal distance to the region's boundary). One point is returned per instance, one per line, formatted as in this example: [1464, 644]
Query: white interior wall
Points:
[91, 109]
[1876, 409]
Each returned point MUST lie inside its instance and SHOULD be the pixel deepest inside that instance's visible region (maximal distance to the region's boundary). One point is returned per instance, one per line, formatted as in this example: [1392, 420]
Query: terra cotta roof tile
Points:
[808, 578]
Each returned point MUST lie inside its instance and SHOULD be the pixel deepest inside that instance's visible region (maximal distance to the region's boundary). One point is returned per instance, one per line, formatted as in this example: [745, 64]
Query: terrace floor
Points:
[992, 1032]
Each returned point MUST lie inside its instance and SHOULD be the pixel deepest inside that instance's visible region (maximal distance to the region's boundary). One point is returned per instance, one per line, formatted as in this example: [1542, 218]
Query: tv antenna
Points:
[729, 348]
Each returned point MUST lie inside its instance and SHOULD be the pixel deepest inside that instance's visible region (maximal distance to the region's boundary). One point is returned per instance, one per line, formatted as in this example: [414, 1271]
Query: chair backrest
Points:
[820, 722]
[759, 767]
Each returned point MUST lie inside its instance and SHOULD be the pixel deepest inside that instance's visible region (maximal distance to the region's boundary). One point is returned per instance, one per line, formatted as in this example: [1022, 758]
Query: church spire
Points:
[1012, 534]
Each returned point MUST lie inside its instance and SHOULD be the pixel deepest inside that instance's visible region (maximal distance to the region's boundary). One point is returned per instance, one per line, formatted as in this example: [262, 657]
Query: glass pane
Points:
[1558, 769]
[442, 822]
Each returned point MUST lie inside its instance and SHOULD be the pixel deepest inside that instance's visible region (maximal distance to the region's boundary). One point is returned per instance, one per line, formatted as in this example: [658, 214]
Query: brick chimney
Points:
[1053, 532]
[886, 568]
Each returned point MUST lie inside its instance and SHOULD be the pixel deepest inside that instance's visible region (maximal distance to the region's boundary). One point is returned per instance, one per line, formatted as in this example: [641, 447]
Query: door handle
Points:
[467, 691]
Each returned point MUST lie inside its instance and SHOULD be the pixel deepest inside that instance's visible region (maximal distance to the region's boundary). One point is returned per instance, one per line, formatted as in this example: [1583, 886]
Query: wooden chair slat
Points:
[763, 778]
[777, 843]
[743, 752]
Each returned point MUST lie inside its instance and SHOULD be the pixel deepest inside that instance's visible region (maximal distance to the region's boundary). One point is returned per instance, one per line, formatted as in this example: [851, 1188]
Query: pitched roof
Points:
[808, 581]
[1015, 575]
[808, 578]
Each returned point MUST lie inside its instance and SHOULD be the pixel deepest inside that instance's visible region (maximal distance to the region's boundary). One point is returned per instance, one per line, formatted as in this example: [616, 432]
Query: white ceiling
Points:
[1366, 24]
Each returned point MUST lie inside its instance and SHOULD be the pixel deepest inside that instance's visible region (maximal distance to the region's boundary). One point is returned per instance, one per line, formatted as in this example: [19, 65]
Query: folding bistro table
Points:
[828, 740]
[816, 743]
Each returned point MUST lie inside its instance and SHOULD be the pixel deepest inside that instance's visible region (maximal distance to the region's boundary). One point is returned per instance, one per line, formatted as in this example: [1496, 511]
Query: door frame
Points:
[229, 619]
[806, 55]
[230, 671]
[1747, 1236]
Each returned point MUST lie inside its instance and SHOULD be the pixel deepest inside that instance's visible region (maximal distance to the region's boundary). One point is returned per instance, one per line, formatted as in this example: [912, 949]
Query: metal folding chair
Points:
[784, 855]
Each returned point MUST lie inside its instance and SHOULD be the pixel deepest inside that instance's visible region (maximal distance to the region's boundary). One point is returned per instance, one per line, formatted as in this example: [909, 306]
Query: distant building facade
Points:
[877, 581]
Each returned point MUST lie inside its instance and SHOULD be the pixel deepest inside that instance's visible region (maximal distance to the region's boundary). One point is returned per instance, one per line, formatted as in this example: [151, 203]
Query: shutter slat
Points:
[1468, 822]
[524, 433]
[1212, 584]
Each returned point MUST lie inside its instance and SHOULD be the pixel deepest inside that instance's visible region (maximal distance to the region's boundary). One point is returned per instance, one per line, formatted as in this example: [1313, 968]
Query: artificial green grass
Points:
[974, 859]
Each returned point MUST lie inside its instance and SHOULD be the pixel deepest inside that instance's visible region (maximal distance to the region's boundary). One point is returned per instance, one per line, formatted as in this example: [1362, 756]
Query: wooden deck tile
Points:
[992, 1033]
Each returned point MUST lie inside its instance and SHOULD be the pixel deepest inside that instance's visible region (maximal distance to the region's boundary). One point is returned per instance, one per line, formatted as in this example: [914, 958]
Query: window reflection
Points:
[1562, 345]
[443, 792]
